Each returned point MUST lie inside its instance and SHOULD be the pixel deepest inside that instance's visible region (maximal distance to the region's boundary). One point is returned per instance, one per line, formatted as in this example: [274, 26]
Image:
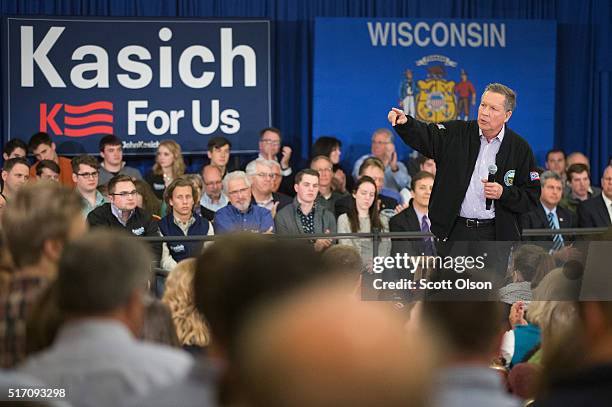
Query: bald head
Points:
[324, 347]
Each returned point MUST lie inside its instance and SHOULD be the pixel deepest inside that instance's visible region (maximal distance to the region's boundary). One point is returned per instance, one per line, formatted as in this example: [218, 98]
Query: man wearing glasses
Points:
[262, 178]
[213, 197]
[122, 213]
[241, 215]
[270, 142]
[85, 174]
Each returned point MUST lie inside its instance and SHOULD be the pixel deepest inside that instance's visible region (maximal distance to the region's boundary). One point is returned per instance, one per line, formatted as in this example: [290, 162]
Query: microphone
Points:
[492, 172]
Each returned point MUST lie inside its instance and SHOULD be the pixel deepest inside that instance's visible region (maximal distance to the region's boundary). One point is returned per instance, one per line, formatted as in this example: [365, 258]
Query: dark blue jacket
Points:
[182, 250]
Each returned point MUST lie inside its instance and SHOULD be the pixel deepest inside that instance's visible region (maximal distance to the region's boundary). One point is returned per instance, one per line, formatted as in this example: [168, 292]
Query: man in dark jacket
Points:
[465, 152]
[122, 213]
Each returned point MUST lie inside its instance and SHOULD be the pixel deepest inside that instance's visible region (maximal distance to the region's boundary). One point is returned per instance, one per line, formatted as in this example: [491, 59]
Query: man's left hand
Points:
[492, 190]
[285, 156]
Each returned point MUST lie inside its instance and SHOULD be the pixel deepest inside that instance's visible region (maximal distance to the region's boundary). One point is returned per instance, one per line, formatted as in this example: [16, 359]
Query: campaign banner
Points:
[435, 70]
[144, 80]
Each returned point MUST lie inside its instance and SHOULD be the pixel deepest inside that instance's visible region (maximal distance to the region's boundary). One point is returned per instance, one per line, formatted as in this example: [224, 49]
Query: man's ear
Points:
[508, 114]
[74, 177]
[53, 147]
[52, 249]
[5, 156]
[4, 175]
[209, 155]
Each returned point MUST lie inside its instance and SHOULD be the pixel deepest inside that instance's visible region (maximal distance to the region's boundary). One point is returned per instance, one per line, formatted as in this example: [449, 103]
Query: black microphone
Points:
[492, 172]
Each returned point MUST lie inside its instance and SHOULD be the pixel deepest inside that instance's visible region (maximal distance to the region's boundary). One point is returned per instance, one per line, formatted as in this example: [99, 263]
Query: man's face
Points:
[239, 194]
[17, 152]
[219, 156]
[262, 180]
[182, 201]
[606, 182]
[556, 162]
[308, 188]
[45, 152]
[377, 175]
[429, 165]
[580, 184]
[212, 182]
[269, 144]
[278, 178]
[552, 191]
[86, 179]
[422, 191]
[48, 174]
[16, 177]
[112, 155]
[124, 196]
[492, 112]
[380, 145]
[325, 170]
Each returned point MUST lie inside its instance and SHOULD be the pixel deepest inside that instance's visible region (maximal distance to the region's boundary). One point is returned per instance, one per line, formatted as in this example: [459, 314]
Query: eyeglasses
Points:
[381, 143]
[271, 142]
[125, 194]
[266, 174]
[239, 191]
[88, 174]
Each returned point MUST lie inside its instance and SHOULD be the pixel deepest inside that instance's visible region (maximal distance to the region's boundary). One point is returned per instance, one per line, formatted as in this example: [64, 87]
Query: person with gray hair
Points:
[464, 204]
[262, 176]
[383, 148]
[96, 356]
[548, 214]
[241, 215]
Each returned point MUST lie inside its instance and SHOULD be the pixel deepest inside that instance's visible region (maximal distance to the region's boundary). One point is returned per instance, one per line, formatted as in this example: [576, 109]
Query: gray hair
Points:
[251, 168]
[546, 175]
[99, 272]
[508, 93]
[384, 131]
[234, 176]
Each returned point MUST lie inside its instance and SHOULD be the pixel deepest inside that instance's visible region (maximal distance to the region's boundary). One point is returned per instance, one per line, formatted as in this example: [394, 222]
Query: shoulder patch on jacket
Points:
[440, 126]
[534, 176]
[138, 231]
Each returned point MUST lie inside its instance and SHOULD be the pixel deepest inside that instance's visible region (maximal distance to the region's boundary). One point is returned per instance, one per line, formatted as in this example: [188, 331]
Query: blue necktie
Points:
[429, 249]
[557, 239]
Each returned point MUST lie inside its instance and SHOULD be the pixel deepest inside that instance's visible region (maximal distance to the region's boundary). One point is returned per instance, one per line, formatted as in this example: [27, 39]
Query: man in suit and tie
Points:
[549, 215]
[597, 212]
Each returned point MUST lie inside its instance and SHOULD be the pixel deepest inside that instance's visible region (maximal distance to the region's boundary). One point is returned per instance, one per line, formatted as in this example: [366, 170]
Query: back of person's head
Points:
[178, 295]
[109, 140]
[99, 273]
[322, 347]
[240, 271]
[38, 139]
[371, 162]
[344, 259]
[158, 326]
[39, 213]
[532, 262]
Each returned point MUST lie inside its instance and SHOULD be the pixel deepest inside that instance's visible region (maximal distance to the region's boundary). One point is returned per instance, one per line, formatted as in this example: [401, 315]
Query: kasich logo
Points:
[78, 121]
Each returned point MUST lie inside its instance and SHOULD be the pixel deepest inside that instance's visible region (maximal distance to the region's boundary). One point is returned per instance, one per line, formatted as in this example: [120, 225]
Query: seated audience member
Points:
[327, 194]
[47, 170]
[168, 166]
[278, 177]
[158, 326]
[111, 151]
[270, 140]
[191, 328]
[330, 147]
[471, 330]
[101, 286]
[180, 220]
[241, 215]
[219, 153]
[577, 158]
[555, 162]
[123, 213]
[307, 347]
[530, 263]
[43, 148]
[345, 260]
[415, 218]
[198, 184]
[37, 223]
[261, 176]
[373, 168]
[363, 217]
[396, 174]
[578, 188]
[595, 212]
[14, 148]
[213, 197]
[548, 214]
[304, 216]
[15, 174]
[425, 164]
[85, 173]
[146, 199]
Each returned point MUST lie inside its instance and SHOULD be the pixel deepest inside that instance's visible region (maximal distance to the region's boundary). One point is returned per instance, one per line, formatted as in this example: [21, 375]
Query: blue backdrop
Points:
[354, 89]
[584, 89]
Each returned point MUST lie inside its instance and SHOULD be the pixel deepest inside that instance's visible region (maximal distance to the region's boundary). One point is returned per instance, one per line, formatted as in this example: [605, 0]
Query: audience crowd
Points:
[208, 311]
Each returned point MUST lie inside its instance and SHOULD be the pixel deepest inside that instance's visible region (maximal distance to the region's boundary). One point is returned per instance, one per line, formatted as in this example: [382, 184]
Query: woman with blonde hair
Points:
[191, 328]
[169, 165]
